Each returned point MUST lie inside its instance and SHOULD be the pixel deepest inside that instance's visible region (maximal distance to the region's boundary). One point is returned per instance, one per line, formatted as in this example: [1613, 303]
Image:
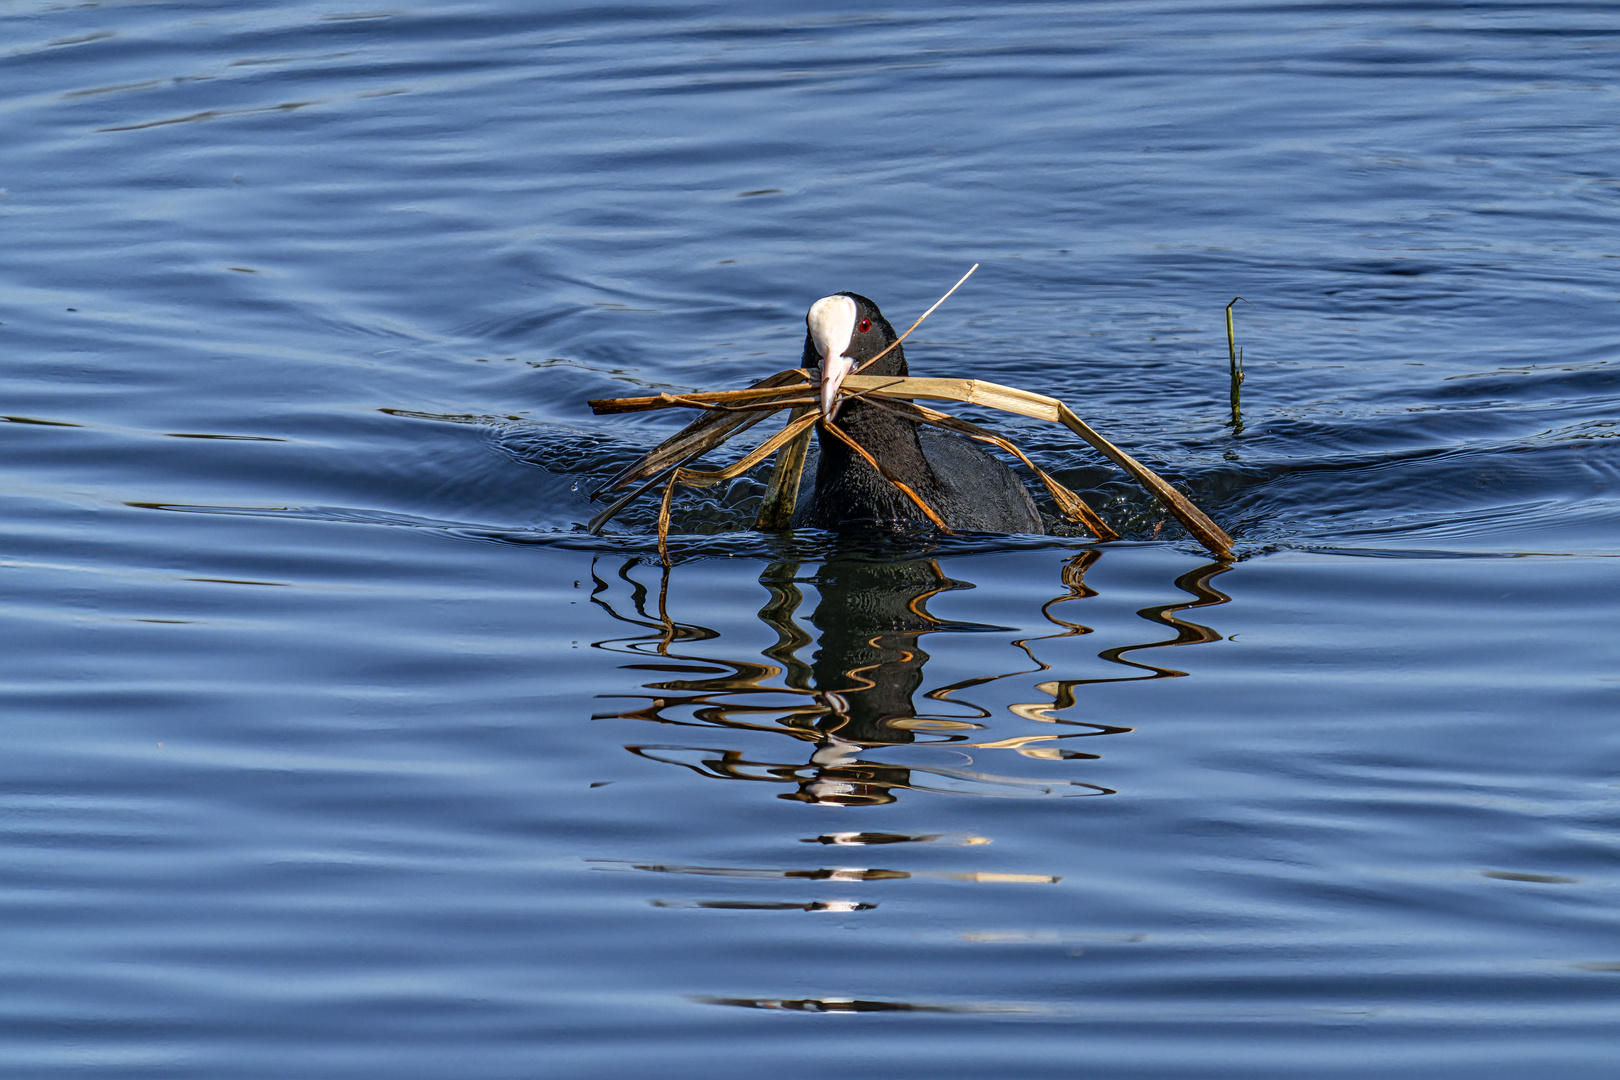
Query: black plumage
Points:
[970, 490]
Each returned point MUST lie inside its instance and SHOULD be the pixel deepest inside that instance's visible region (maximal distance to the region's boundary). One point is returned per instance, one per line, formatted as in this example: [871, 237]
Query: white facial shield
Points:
[832, 323]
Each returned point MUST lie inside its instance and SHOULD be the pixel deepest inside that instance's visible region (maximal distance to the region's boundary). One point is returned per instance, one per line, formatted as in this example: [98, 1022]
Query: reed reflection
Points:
[853, 706]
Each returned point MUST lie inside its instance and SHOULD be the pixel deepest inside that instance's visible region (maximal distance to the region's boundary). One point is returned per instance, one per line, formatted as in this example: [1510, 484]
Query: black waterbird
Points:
[969, 490]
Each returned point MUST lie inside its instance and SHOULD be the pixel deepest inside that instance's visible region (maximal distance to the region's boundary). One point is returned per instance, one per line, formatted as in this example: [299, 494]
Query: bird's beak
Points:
[833, 370]
[832, 323]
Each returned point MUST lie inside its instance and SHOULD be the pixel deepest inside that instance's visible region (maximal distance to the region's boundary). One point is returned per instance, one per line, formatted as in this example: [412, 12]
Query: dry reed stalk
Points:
[694, 478]
[905, 489]
[896, 343]
[696, 438]
[795, 427]
[700, 436]
[761, 390]
[663, 518]
[1069, 504]
[782, 491]
[602, 518]
[782, 496]
[1040, 407]
[701, 399]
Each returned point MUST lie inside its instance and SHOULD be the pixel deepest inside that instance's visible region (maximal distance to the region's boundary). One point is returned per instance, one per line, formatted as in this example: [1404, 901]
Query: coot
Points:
[970, 490]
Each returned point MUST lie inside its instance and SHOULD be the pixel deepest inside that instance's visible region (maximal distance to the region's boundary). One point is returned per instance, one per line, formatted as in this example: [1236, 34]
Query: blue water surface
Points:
[336, 747]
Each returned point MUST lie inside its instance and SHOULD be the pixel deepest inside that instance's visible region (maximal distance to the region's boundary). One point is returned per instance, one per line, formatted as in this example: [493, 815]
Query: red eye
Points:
[866, 324]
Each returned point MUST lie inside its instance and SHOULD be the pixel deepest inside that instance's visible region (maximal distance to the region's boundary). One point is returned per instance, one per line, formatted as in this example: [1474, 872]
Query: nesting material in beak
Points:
[832, 323]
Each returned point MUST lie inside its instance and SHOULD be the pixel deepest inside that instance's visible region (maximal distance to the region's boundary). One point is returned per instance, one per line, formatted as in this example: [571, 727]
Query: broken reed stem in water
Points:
[1235, 358]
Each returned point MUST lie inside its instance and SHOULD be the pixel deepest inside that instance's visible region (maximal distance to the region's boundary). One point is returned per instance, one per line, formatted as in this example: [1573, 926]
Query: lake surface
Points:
[335, 747]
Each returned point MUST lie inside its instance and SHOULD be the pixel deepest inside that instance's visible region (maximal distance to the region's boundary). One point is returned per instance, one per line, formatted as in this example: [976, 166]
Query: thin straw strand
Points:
[918, 323]
[905, 489]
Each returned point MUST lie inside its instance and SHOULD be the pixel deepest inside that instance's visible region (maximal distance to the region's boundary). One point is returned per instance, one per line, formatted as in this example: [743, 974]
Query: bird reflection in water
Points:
[856, 699]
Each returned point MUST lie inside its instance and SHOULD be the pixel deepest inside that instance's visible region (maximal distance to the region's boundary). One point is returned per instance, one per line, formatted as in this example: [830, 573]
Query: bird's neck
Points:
[890, 439]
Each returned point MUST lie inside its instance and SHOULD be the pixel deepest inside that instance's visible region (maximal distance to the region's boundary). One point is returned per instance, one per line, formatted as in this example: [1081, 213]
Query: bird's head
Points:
[846, 330]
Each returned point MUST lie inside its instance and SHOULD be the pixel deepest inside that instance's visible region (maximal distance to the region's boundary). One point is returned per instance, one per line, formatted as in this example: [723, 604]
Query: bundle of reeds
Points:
[727, 413]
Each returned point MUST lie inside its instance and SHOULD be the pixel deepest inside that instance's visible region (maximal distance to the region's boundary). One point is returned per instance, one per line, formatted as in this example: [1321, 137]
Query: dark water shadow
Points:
[845, 681]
